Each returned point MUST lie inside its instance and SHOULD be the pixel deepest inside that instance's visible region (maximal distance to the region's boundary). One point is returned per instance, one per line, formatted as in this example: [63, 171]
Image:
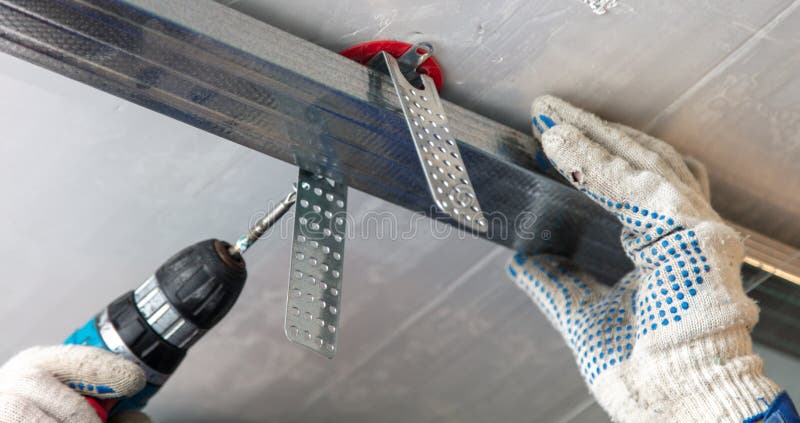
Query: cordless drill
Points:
[155, 324]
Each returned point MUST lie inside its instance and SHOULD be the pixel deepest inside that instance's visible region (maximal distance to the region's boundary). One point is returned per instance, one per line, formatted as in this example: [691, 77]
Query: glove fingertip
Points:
[119, 376]
[94, 371]
[545, 113]
[548, 105]
[559, 145]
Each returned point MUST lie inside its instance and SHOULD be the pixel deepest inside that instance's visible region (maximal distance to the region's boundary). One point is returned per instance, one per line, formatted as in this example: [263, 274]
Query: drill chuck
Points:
[191, 292]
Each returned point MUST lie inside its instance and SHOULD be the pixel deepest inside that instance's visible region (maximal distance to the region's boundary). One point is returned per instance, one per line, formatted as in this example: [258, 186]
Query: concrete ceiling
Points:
[431, 330]
[716, 79]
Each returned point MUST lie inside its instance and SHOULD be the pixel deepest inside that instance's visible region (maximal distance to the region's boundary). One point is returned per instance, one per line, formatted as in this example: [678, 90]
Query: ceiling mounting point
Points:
[436, 146]
[364, 52]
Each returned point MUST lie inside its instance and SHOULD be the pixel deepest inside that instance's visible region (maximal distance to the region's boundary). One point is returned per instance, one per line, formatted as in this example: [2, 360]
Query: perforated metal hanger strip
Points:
[436, 147]
[315, 281]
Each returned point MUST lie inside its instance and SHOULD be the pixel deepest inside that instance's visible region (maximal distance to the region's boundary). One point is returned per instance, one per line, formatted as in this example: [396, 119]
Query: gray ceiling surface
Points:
[719, 80]
[431, 330]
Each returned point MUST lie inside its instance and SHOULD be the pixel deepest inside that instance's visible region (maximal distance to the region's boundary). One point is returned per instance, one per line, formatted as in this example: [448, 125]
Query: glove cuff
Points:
[712, 378]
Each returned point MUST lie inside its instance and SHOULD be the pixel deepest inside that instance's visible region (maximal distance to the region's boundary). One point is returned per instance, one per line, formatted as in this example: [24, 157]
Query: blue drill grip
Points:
[87, 335]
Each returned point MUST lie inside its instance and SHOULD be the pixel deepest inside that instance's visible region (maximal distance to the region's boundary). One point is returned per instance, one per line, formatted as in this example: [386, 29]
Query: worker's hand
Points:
[671, 340]
[47, 384]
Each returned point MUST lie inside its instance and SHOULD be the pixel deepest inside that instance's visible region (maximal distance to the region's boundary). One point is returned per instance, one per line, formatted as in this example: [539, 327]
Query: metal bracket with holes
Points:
[315, 281]
[436, 147]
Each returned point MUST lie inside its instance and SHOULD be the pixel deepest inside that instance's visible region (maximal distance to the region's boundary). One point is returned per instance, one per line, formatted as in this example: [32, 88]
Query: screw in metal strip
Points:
[436, 148]
[315, 282]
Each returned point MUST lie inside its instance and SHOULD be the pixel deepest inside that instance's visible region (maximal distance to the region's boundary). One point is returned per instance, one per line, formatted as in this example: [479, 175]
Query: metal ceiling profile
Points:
[241, 79]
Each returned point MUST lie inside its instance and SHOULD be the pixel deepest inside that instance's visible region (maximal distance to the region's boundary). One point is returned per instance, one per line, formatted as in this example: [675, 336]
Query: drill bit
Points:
[257, 230]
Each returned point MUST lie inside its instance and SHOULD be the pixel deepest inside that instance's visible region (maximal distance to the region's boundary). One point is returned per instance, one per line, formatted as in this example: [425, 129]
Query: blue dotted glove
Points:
[671, 340]
[47, 384]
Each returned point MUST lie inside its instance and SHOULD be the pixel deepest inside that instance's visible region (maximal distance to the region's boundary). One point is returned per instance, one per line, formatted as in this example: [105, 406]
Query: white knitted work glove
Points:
[671, 340]
[46, 384]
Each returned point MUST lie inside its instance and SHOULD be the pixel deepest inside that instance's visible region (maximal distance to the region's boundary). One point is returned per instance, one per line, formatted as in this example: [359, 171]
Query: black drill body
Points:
[156, 324]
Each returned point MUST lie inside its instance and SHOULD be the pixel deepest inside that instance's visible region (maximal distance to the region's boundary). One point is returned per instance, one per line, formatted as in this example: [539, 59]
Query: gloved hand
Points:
[670, 341]
[46, 384]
